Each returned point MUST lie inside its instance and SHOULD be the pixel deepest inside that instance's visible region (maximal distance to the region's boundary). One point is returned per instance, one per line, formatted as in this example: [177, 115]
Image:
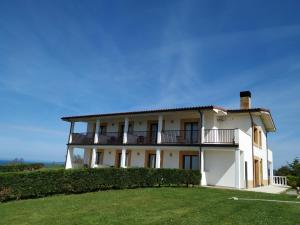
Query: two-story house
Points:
[228, 146]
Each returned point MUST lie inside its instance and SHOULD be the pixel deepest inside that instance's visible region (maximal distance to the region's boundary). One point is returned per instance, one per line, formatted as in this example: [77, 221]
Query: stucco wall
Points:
[137, 158]
[171, 159]
[109, 157]
[219, 168]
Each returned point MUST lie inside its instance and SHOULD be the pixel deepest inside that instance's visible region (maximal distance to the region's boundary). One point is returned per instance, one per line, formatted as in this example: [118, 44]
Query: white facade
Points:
[222, 140]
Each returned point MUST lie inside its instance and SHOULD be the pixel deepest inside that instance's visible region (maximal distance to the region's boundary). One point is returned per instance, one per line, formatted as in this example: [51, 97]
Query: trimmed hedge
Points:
[36, 184]
[21, 167]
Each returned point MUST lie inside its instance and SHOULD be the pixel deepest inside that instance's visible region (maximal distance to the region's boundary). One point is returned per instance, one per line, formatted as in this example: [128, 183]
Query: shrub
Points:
[21, 185]
[21, 167]
[292, 181]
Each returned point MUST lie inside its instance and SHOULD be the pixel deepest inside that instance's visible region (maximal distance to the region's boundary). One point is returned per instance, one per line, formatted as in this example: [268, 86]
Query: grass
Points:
[153, 206]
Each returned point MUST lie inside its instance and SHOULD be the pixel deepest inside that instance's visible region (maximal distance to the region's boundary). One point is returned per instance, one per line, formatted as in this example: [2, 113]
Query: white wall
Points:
[137, 158]
[219, 167]
[171, 161]
[109, 157]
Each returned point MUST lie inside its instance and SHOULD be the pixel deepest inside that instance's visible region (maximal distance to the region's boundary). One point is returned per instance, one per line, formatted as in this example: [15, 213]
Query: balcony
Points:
[168, 137]
[82, 138]
[219, 136]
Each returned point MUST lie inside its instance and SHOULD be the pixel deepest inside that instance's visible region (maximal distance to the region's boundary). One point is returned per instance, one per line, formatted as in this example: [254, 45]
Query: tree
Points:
[17, 161]
[292, 171]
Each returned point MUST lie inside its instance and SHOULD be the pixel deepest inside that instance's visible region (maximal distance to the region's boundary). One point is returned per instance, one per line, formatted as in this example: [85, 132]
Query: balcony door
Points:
[153, 133]
[191, 133]
[102, 130]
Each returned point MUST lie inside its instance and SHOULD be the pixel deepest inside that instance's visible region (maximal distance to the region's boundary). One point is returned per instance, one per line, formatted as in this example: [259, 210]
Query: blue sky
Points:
[61, 58]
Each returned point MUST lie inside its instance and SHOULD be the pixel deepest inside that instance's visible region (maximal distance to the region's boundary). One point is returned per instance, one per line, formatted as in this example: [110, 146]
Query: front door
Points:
[256, 168]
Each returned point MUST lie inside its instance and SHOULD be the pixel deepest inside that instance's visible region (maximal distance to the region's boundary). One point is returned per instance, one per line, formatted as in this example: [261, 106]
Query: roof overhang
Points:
[144, 113]
[264, 114]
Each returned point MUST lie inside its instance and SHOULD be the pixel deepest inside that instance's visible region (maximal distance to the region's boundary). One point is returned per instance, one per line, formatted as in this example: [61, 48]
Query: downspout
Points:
[200, 142]
[253, 169]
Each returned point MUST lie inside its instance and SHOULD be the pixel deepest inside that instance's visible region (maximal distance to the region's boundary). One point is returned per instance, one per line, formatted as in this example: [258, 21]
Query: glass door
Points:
[191, 133]
[153, 133]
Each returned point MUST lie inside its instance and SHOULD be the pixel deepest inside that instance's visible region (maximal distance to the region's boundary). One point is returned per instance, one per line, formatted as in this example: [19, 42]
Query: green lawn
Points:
[152, 206]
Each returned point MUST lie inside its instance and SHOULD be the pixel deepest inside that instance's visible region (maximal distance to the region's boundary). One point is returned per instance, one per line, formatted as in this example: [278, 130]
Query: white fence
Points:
[280, 180]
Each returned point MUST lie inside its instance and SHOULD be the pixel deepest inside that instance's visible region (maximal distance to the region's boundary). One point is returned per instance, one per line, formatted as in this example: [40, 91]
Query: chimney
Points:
[245, 99]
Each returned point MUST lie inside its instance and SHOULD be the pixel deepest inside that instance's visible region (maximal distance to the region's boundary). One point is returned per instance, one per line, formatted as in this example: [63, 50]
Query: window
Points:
[99, 158]
[257, 136]
[151, 161]
[191, 162]
[191, 132]
[259, 139]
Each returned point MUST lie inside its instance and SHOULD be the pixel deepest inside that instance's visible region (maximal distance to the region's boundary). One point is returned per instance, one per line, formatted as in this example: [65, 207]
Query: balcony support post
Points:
[96, 137]
[126, 125]
[123, 158]
[69, 158]
[157, 160]
[71, 132]
[203, 176]
[93, 161]
[202, 127]
[237, 168]
[159, 130]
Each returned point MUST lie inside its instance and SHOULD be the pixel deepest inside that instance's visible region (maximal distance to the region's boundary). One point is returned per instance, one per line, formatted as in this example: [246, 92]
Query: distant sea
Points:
[3, 161]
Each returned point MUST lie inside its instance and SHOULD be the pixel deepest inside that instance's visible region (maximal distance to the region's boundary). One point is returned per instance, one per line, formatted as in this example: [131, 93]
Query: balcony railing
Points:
[168, 137]
[180, 137]
[219, 136]
[110, 138]
[83, 138]
[142, 138]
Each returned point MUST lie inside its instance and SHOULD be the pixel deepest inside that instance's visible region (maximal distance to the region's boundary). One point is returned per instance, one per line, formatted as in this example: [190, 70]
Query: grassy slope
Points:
[152, 206]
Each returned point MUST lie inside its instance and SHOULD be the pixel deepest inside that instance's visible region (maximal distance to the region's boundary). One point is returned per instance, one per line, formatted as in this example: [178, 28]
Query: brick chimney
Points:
[245, 100]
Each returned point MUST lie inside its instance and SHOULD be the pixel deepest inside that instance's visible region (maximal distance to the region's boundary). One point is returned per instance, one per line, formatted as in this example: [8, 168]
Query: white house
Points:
[228, 146]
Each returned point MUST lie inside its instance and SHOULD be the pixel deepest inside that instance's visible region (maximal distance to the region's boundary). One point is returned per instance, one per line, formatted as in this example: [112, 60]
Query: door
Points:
[151, 161]
[153, 133]
[191, 133]
[256, 168]
[191, 162]
[261, 173]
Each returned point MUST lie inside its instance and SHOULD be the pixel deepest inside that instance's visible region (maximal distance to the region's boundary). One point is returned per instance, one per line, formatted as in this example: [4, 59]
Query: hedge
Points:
[22, 185]
[21, 167]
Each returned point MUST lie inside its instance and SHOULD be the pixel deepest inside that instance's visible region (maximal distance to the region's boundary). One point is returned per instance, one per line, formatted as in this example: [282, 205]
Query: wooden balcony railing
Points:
[168, 137]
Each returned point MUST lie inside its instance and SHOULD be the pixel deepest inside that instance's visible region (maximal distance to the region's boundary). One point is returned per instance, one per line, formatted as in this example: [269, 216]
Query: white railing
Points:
[280, 180]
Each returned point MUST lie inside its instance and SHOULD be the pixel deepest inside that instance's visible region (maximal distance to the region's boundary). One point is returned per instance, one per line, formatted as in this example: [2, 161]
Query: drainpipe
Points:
[200, 142]
[253, 170]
